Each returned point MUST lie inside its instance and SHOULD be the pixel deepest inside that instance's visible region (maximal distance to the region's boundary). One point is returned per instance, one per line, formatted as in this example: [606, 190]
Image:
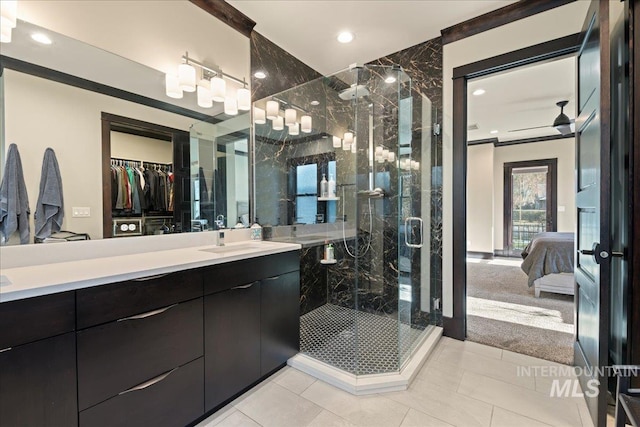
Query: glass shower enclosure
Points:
[342, 165]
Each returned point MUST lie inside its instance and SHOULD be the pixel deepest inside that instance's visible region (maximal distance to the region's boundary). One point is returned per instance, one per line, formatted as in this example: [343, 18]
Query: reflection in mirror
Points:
[219, 174]
[51, 98]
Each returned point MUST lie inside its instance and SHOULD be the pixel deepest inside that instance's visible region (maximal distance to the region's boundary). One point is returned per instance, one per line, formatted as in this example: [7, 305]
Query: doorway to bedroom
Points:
[520, 204]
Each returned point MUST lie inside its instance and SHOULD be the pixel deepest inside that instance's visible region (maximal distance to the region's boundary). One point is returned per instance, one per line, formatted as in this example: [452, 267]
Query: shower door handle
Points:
[407, 223]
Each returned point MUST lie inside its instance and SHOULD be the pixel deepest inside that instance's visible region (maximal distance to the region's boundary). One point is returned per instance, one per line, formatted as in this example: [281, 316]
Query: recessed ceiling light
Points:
[345, 37]
[479, 92]
[41, 38]
[260, 75]
[315, 103]
[493, 132]
[390, 79]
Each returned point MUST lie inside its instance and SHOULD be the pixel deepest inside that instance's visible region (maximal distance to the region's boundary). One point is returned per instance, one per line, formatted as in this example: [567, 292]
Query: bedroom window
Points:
[530, 199]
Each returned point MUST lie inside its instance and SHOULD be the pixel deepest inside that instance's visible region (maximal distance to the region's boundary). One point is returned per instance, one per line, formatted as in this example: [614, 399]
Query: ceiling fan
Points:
[562, 123]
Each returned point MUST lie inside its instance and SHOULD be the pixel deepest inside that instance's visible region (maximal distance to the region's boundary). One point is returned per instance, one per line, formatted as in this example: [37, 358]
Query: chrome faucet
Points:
[220, 221]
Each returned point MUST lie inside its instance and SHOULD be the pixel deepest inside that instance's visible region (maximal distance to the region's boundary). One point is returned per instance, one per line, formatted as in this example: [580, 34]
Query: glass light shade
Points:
[305, 124]
[244, 99]
[204, 94]
[273, 109]
[392, 157]
[289, 116]
[405, 164]
[385, 154]
[379, 150]
[348, 138]
[5, 32]
[171, 83]
[415, 166]
[294, 129]
[278, 123]
[337, 142]
[218, 89]
[231, 106]
[380, 159]
[9, 14]
[187, 77]
[345, 145]
[259, 116]
[354, 147]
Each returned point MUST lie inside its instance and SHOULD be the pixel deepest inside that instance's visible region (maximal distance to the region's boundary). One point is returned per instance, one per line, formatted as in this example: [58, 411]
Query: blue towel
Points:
[14, 201]
[50, 206]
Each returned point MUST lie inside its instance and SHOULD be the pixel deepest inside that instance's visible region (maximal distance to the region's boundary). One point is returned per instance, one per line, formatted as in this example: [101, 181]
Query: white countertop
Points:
[36, 280]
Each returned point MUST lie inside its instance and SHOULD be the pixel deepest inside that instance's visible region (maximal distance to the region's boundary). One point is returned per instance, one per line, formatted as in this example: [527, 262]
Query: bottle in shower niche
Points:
[256, 231]
[324, 186]
[331, 187]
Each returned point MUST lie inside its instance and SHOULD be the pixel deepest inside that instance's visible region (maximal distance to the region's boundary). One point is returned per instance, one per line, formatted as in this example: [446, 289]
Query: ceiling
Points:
[521, 98]
[307, 29]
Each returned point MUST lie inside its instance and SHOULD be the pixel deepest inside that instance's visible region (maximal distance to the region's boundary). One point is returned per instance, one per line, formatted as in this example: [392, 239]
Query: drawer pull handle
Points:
[272, 278]
[245, 286]
[5, 349]
[147, 314]
[149, 383]
[144, 279]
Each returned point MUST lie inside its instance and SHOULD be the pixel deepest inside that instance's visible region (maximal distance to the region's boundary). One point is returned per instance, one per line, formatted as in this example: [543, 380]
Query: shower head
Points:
[353, 92]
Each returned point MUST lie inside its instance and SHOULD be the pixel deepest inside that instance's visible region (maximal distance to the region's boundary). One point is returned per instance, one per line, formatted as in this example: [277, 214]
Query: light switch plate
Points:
[560, 208]
[81, 212]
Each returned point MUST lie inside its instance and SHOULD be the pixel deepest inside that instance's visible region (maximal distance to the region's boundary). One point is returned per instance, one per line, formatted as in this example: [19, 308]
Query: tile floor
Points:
[461, 384]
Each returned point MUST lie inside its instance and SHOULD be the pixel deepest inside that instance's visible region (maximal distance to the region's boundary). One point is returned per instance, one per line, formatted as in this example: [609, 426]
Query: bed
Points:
[548, 263]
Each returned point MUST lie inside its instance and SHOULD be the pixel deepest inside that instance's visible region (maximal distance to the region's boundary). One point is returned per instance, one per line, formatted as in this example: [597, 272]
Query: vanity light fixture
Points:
[392, 157]
[390, 79]
[305, 124]
[346, 37]
[211, 87]
[8, 19]
[259, 116]
[385, 154]
[273, 109]
[294, 129]
[41, 38]
[290, 117]
[478, 92]
[337, 142]
[259, 75]
[278, 123]
[348, 138]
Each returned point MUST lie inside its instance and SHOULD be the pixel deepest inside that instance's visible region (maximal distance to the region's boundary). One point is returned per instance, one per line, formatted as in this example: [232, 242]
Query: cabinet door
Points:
[38, 383]
[232, 342]
[280, 320]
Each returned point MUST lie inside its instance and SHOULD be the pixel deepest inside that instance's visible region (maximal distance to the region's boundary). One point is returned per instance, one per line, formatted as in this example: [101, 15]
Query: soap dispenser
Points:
[256, 231]
[324, 187]
[332, 187]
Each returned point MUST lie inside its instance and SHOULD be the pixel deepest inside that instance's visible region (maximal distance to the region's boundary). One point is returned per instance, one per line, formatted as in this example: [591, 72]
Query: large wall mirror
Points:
[97, 97]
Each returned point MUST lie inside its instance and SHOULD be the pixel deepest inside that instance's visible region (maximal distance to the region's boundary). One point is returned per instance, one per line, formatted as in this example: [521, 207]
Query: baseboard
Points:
[479, 255]
[454, 327]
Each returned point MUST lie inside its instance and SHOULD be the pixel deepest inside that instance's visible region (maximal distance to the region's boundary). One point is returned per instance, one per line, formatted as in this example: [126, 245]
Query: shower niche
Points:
[344, 161]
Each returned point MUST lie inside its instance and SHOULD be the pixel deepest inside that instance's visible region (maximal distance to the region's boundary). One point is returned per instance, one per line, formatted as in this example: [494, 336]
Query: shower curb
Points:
[369, 384]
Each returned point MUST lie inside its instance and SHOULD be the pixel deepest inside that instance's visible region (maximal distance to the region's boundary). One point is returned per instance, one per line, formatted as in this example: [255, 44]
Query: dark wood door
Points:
[38, 383]
[279, 320]
[231, 342]
[592, 267]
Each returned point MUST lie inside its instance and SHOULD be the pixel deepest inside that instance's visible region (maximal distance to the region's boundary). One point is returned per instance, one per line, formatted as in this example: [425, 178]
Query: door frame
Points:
[552, 196]
[456, 326]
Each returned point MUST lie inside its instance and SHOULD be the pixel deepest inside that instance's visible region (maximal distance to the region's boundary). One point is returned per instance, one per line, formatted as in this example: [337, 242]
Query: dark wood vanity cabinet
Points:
[38, 362]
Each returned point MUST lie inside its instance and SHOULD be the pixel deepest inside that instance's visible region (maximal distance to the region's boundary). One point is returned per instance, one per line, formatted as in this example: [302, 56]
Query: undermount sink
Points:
[231, 249]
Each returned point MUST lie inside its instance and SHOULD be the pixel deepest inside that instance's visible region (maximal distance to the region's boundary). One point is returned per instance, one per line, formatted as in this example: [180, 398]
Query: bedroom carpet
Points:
[503, 312]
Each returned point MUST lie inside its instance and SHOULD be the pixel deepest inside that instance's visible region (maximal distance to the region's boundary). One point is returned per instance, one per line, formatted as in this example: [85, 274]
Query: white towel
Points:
[14, 201]
[50, 206]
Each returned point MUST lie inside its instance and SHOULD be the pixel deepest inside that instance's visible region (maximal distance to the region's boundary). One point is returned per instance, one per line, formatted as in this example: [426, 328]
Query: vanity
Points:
[163, 337]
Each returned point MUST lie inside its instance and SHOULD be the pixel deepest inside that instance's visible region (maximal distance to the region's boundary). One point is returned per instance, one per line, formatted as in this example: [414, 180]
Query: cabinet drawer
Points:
[32, 319]
[118, 355]
[114, 301]
[174, 398]
[226, 276]
[38, 383]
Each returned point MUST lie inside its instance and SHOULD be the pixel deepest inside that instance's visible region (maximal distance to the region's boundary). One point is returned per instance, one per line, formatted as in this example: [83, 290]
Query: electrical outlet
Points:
[561, 208]
[80, 212]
